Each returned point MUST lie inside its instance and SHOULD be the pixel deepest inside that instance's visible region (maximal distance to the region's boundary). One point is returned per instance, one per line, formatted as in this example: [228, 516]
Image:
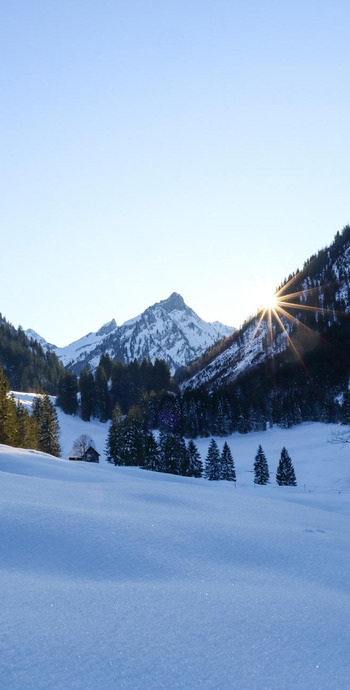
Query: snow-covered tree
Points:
[261, 469]
[195, 465]
[113, 450]
[125, 442]
[285, 475]
[228, 471]
[212, 469]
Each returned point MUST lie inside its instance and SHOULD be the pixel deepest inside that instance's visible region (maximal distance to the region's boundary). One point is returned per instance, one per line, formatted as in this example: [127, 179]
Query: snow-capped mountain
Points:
[168, 330]
[33, 335]
[312, 309]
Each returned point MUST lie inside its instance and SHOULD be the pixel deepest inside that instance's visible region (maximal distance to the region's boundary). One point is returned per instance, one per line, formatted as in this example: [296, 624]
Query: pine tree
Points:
[285, 475]
[87, 394]
[113, 448]
[212, 469]
[49, 430]
[101, 394]
[27, 428]
[261, 469]
[67, 392]
[194, 460]
[190, 417]
[8, 417]
[228, 471]
[125, 442]
[173, 453]
[152, 453]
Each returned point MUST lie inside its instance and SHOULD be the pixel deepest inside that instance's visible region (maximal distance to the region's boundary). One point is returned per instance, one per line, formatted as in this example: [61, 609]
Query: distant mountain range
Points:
[168, 330]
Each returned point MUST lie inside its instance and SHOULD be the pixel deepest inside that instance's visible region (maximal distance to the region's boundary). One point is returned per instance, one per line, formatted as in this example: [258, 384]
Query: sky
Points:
[155, 146]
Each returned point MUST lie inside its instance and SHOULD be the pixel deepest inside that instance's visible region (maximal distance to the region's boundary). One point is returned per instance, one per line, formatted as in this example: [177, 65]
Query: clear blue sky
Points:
[154, 146]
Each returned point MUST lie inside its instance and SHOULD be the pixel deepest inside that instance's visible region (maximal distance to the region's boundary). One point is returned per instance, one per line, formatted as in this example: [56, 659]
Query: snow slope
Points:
[122, 578]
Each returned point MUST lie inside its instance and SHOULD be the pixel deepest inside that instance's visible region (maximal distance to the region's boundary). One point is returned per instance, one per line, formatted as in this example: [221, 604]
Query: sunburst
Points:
[277, 308]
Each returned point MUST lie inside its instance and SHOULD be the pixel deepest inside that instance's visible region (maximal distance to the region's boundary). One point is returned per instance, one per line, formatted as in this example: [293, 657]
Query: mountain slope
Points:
[26, 364]
[168, 330]
[312, 310]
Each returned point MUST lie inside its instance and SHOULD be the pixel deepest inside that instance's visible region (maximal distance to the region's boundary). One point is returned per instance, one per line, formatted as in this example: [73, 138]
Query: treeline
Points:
[113, 383]
[39, 430]
[277, 392]
[130, 444]
[26, 365]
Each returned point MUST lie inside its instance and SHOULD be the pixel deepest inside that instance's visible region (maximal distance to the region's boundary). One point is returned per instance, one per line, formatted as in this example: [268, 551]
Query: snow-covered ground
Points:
[118, 578]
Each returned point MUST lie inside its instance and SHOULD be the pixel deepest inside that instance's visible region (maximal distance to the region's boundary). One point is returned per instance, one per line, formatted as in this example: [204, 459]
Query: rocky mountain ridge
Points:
[168, 330]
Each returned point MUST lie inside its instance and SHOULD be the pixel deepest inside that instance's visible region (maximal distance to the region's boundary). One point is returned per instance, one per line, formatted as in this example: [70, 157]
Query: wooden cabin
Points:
[90, 455]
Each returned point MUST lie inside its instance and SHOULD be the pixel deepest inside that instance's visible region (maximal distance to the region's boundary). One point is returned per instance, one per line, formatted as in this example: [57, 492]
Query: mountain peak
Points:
[174, 302]
[107, 328]
[167, 330]
[31, 334]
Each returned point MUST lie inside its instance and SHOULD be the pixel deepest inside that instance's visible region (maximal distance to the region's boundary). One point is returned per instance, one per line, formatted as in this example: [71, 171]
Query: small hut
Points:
[90, 455]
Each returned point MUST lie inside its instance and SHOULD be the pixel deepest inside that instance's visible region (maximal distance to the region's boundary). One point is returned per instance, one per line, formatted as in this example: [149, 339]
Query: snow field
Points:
[127, 579]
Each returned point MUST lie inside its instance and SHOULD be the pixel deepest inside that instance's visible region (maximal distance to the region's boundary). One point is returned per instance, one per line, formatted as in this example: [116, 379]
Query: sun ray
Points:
[308, 307]
[291, 342]
[263, 312]
[279, 304]
[287, 285]
[270, 328]
[292, 319]
[291, 295]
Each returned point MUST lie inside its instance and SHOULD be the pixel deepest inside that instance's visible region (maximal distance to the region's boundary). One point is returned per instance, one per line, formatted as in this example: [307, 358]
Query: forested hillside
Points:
[26, 365]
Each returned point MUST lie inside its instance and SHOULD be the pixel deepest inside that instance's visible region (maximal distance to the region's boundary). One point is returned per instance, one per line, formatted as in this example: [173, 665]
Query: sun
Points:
[270, 302]
[276, 309]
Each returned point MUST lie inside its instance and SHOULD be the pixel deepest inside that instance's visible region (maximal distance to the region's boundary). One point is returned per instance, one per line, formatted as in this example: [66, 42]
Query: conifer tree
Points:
[8, 418]
[113, 448]
[173, 453]
[27, 428]
[285, 475]
[67, 389]
[228, 471]
[49, 430]
[195, 468]
[261, 469]
[152, 453]
[87, 394]
[101, 394]
[125, 441]
[212, 469]
[106, 364]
